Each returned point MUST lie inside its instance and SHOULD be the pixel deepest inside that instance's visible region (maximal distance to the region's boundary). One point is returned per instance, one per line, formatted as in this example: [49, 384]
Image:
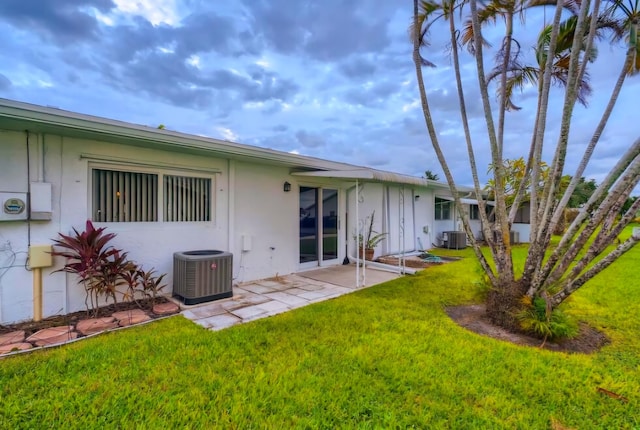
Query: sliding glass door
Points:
[318, 226]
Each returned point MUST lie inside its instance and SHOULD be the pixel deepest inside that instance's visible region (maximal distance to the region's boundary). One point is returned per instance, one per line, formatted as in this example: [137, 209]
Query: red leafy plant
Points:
[102, 268]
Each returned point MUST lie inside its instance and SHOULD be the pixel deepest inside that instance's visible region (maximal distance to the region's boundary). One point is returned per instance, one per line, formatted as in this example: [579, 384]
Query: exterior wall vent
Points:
[202, 276]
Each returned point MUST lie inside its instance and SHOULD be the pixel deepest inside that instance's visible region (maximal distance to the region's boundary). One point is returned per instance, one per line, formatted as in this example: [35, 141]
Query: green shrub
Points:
[102, 268]
[539, 319]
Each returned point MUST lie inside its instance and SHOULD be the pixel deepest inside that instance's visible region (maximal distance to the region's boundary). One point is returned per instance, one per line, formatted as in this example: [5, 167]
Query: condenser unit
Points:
[202, 276]
[456, 240]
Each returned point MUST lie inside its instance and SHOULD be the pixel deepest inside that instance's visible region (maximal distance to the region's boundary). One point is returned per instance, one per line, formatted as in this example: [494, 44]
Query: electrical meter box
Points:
[13, 206]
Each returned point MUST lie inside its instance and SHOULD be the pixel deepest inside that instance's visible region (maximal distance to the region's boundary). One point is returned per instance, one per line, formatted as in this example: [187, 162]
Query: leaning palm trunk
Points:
[585, 249]
[484, 218]
[594, 139]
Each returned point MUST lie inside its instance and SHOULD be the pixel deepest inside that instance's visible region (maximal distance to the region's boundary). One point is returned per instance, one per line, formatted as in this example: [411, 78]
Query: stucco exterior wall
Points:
[252, 216]
[260, 209]
[265, 214]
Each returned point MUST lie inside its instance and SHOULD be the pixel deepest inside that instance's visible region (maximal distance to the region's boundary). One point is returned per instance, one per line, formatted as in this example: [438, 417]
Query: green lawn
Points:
[384, 357]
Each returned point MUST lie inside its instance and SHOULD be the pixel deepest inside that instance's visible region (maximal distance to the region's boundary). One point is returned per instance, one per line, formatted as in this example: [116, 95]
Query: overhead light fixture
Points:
[287, 187]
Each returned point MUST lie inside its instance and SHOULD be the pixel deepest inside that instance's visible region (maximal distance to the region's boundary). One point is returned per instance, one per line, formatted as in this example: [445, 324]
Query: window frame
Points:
[439, 212]
[160, 198]
[474, 212]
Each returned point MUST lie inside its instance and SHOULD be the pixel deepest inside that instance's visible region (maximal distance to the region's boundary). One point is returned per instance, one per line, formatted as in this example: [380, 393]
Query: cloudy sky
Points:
[332, 78]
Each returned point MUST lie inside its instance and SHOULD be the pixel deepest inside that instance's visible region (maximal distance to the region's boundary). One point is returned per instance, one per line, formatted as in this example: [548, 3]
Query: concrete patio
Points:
[264, 298]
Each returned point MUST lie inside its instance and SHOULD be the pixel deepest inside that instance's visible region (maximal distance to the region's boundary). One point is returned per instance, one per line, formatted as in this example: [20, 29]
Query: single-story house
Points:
[162, 192]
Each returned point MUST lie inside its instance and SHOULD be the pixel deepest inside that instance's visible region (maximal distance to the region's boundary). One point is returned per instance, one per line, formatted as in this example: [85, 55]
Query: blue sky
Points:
[331, 79]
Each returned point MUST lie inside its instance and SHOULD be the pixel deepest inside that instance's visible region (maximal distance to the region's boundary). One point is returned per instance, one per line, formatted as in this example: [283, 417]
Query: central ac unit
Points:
[202, 276]
[456, 240]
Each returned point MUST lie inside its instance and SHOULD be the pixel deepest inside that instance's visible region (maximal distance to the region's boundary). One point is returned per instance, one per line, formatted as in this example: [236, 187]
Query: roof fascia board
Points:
[105, 127]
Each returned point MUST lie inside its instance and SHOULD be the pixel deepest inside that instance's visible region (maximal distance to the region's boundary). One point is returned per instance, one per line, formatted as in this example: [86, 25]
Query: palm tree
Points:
[562, 56]
[520, 76]
[431, 176]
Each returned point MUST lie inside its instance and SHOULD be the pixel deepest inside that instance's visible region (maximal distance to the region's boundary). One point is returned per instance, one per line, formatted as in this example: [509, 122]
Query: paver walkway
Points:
[269, 297]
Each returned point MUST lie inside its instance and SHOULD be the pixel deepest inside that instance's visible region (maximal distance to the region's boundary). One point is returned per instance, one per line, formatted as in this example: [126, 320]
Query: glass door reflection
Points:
[329, 224]
[308, 224]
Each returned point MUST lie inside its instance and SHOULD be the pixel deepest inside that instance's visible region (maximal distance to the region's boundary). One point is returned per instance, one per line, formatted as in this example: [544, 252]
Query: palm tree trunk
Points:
[503, 80]
[594, 139]
[557, 166]
[569, 242]
[434, 139]
[484, 220]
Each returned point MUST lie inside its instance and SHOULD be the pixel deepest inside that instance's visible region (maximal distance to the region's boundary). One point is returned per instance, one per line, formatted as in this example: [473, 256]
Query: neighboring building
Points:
[163, 191]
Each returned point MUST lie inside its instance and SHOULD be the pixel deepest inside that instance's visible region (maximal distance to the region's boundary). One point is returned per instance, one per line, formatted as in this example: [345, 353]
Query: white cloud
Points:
[410, 106]
[254, 105]
[263, 63]
[154, 11]
[194, 60]
[227, 134]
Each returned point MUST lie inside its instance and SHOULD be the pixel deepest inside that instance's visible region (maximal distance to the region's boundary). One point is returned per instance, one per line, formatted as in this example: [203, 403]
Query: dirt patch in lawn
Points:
[31, 327]
[474, 318]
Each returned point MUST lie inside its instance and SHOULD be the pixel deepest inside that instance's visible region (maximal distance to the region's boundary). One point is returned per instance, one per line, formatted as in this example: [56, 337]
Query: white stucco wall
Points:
[249, 207]
[248, 201]
[523, 229]
[424, 223]
[385, 200]
[150, 244]
[268, 215]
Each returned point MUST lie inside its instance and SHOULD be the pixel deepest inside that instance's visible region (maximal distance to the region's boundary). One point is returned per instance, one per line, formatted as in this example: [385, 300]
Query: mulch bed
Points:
[31, 327]
[474, 318]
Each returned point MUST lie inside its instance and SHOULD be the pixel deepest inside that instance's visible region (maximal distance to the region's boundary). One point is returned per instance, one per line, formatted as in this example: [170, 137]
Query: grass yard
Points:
[384, 357]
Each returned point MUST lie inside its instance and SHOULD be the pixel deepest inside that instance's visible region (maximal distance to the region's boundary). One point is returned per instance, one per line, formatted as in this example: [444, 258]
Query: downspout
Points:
[40, 158]
[415, 229]
[231, 204]
[37, 272]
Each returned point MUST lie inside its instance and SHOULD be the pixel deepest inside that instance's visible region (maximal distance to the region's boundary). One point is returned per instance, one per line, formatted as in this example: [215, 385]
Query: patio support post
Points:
[357, 235]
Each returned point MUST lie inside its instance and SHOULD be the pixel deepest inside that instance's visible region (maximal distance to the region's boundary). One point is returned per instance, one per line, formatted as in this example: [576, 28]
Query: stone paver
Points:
[95, 325]
[315, 295]
[249, 313]
[273, 284]
[308, 287]
[12, 337]
[258, 289]
[165, 308]
[134, 316]
[10, 347]
[53, 335]
[274, 307]
[218, 322]
[287, 298]
[261, 299]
